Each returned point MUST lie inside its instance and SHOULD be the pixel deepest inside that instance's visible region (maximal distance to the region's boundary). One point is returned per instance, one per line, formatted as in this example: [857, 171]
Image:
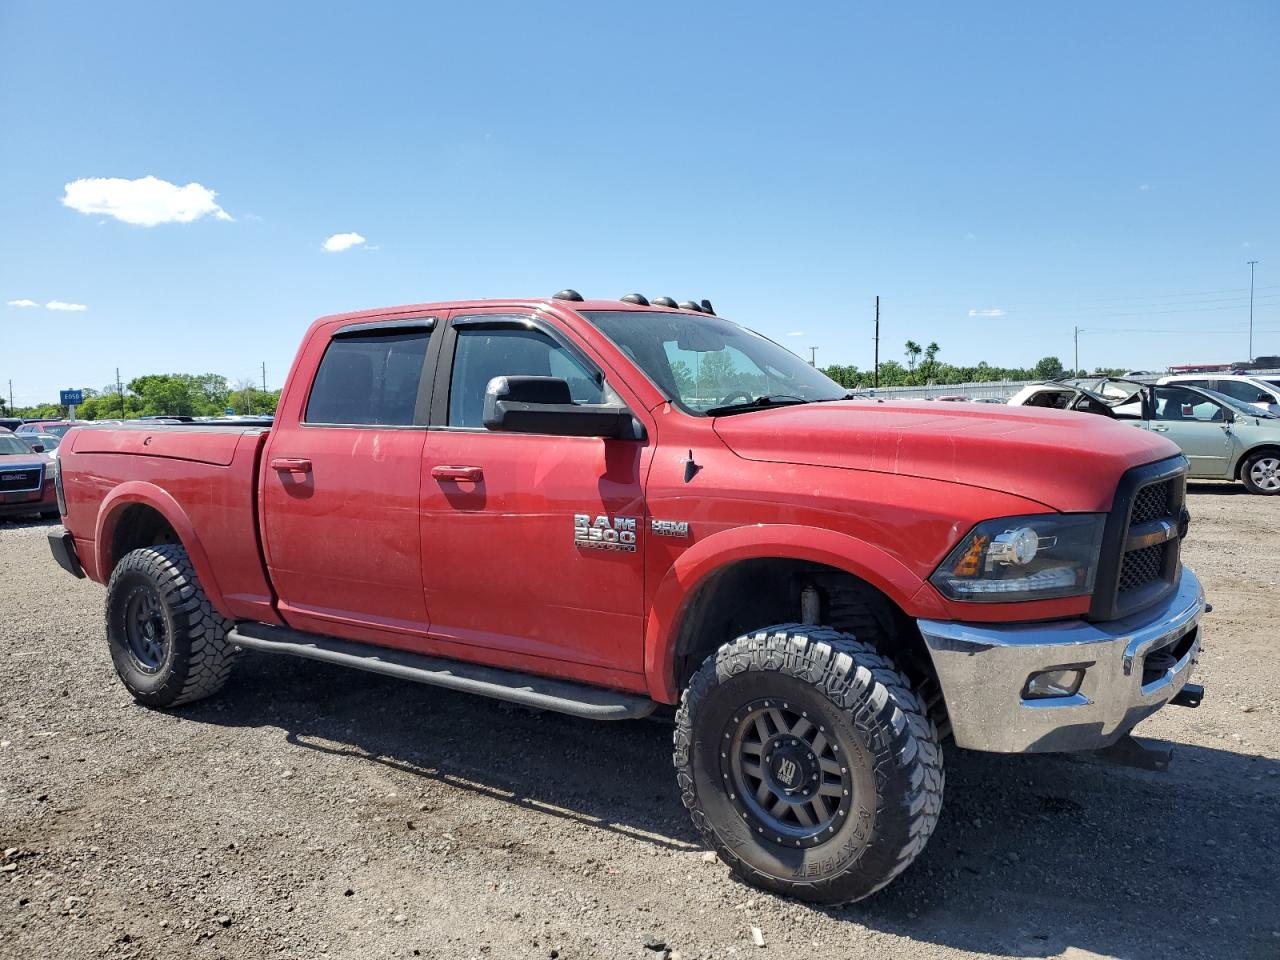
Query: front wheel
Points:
[808, 762]
[1261, 473]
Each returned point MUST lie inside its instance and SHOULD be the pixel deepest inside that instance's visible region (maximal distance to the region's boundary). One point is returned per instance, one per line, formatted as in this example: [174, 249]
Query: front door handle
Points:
[458, 474]
[1157, 428]
[291, 465]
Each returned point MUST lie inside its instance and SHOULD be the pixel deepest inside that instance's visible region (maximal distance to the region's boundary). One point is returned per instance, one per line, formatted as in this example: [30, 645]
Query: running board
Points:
[541, 693]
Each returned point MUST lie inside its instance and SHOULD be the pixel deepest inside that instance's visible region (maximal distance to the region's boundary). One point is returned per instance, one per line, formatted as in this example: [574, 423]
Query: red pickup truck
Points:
[604, 506]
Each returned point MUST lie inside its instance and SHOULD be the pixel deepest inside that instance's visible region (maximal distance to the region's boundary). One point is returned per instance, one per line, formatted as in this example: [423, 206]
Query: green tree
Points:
[1048, 368]
[913, 354]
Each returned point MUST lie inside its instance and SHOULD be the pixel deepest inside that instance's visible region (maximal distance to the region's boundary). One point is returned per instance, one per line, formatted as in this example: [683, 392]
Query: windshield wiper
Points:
[756, 403]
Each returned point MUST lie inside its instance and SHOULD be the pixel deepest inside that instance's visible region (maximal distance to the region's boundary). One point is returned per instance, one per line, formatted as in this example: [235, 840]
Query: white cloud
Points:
[796, 333]
[63, 305]
[146, 201]
[971, 236]
[23, 303]
[343, 241]
[992, 312]
[1144, 187]
[1246, 245]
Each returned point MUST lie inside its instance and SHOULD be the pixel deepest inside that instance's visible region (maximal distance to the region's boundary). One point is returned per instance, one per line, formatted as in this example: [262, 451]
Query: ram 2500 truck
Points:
[604, 506]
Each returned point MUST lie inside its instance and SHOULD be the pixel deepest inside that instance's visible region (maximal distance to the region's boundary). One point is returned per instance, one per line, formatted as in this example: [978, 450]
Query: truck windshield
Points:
[708, 366]
[10, 444]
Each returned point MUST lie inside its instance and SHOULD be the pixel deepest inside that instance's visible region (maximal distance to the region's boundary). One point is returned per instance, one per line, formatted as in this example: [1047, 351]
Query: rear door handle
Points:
[1159, 429]
[291, 465]
[463, 474]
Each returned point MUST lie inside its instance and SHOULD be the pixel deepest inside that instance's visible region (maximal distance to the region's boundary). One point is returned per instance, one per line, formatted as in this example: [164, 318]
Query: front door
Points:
[532, 544]
[1199, 426]
[340, 489]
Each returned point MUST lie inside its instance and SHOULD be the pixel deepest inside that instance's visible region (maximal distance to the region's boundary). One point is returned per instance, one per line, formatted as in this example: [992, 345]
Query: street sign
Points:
[229, 411]
[70, 398]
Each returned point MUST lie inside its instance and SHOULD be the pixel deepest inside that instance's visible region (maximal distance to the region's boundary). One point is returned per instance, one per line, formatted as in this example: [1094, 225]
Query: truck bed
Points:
[204, 476]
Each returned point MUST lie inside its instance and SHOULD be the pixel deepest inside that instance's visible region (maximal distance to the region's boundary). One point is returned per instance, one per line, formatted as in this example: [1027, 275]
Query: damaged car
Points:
[1222, 437]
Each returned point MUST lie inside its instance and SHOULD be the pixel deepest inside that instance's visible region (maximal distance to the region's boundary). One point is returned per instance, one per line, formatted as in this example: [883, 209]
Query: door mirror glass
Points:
[545, 405]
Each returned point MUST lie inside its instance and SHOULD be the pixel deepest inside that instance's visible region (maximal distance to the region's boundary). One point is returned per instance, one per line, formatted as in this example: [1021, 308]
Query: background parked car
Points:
[10, 423]
[56, 427]
[1263, 394]
[26, 481]
[41, 442]
[1223, 438]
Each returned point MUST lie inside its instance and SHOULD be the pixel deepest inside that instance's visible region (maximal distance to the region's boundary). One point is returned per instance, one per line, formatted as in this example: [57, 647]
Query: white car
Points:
[1256, 391]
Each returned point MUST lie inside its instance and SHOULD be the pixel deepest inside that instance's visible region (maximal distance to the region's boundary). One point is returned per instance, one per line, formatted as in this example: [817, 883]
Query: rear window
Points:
[370, 380]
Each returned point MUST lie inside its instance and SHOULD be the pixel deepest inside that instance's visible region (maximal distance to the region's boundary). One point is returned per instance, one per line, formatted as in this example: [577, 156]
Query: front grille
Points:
[23, 478]
[1138, 566]
[1151, 503]
[1141, 567]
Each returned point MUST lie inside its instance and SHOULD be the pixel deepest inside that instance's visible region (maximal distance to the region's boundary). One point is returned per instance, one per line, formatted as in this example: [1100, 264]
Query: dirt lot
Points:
[313, 812]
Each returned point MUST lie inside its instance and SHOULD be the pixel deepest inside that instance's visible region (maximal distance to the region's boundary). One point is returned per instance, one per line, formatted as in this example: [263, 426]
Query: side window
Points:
[483, 354]
[1244, 391]
[369, 380]
[1174, 403]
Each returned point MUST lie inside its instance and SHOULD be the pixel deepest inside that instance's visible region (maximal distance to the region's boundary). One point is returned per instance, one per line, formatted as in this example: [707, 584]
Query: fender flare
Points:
[163, 502]
[765, 542]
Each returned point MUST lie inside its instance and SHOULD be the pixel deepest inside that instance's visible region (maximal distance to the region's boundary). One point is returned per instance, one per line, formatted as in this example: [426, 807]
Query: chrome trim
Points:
[21, 468]
[983, 668]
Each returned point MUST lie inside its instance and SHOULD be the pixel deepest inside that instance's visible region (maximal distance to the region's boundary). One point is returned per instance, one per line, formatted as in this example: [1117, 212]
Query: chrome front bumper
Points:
[984, 668]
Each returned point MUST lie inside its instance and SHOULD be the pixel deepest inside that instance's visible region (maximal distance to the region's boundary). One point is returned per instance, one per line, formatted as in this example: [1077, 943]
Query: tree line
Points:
[162, 394]
[923, 368]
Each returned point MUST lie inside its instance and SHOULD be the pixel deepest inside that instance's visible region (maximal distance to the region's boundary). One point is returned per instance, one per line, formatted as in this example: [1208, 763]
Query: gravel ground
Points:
[313, 812]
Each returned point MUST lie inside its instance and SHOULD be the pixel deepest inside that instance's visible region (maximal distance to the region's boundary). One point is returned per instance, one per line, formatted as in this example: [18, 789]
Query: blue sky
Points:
[1106, 165]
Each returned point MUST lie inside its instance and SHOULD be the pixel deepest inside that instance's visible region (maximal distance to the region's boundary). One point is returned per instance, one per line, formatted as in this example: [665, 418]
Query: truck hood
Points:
[1067, 461]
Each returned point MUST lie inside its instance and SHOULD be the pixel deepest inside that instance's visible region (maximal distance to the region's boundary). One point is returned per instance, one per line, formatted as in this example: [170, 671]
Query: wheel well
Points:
[139, 526]
[749, 594]
[1264, 448]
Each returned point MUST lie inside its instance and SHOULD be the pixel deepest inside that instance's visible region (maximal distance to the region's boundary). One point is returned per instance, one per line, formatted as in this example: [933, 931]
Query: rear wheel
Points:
[1261, 473]
[167, 643]
[808, 762]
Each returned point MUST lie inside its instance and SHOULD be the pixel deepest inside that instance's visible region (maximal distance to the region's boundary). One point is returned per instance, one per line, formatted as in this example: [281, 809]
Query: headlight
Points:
[1024, 558]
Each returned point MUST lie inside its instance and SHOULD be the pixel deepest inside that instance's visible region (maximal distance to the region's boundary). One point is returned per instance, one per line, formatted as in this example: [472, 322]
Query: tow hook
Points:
[1188, 696]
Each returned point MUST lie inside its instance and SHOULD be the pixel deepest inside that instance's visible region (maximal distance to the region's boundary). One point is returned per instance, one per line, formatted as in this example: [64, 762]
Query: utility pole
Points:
[1251, 264]
[813, 356]
[10, 397]
[877, 369]
[120, 392]
[1075, 370]
[264, 376]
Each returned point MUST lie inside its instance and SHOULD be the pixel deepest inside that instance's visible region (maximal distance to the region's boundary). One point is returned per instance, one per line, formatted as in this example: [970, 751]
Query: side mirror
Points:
[545, 405]
[37, 448]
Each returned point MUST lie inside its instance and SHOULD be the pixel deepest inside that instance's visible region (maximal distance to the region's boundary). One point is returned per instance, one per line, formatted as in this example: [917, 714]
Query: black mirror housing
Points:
[545, 405]
[37, 448]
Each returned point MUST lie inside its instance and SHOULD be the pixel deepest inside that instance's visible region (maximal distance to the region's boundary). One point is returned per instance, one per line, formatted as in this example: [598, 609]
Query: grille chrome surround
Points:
[24, 479]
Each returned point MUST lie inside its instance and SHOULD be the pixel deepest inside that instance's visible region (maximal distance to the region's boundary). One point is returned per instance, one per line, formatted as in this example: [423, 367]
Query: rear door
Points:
[1202, 428]
[510, 560]
[340, 488]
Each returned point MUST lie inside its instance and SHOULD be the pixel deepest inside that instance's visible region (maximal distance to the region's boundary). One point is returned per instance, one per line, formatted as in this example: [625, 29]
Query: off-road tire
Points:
[1247, 467]
[867, 707]
[196, 658]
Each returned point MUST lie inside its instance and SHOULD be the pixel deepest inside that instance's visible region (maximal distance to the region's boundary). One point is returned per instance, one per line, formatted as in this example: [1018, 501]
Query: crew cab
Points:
[1223, 437]
[608, 507]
